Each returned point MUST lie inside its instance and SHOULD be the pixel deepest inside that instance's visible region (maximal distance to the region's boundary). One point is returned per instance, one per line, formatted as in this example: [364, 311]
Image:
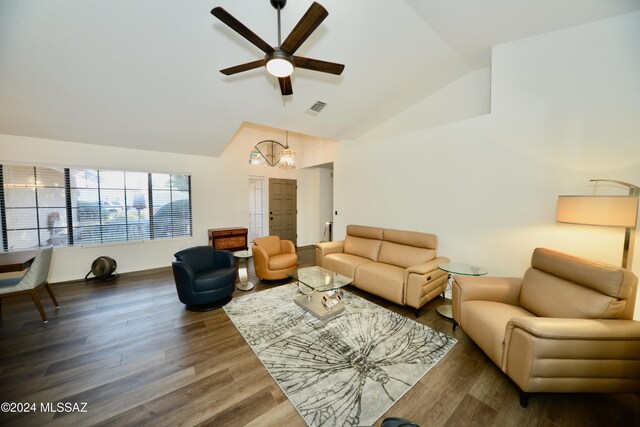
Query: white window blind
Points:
[256, 208]
[76, 207]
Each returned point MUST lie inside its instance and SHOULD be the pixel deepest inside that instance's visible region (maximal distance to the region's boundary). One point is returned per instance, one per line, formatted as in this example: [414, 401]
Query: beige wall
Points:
[564, 109]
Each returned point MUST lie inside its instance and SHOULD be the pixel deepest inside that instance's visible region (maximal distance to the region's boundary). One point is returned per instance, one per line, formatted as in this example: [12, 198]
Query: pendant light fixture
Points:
[287, 156]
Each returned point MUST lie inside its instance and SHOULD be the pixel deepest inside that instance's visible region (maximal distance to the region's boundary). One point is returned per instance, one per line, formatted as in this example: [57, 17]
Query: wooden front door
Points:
[283, 209]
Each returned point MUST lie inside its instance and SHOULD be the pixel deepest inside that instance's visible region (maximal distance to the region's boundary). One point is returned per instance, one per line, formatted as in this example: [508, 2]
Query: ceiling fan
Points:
[280, 61]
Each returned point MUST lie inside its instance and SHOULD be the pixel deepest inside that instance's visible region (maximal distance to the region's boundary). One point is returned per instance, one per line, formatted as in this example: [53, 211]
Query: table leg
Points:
[446, 309]
[243, 275]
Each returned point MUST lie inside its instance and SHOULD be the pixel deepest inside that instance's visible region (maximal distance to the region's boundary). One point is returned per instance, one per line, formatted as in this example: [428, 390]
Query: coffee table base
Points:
[315, 307]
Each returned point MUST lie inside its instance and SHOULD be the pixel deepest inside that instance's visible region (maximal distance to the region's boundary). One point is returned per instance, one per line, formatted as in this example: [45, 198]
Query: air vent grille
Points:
[316, 108]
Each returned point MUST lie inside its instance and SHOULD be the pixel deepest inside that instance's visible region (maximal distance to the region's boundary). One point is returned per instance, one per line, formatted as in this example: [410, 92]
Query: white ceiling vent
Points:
[316, 108]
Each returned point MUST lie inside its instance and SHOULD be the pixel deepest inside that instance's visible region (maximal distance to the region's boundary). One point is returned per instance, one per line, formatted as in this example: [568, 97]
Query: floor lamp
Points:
[611, 211]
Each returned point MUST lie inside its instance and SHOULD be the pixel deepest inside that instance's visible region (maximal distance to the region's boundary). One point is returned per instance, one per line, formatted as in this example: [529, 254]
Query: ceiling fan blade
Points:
[285, 85]
[243, 67]
[240, 28]
[307, 25]
[318, 65]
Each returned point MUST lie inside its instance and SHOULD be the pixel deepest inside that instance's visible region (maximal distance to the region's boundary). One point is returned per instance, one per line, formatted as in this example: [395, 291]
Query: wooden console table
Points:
[230, 239]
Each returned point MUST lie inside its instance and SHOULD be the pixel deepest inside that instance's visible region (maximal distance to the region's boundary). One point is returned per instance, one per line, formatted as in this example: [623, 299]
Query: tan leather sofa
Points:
[565, 327]
[274, 258]
[400, 266]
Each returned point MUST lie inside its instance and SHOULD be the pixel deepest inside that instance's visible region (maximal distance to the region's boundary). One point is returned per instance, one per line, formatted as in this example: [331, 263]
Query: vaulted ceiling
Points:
[145, 73]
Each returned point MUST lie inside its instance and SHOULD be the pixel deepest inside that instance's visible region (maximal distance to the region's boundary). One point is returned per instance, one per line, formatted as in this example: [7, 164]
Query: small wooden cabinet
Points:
[230, 239]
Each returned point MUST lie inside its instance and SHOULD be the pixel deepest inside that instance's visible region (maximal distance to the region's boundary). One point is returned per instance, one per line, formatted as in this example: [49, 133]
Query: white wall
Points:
[220, 188]
[564, 109]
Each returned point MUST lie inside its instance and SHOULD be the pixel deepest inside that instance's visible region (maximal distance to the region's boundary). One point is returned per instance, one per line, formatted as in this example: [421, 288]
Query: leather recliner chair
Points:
[565, 327]
[205, 278]
[274, 258]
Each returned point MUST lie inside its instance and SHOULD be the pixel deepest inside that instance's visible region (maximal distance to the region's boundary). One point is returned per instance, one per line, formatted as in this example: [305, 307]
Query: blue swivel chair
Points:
[205, 278]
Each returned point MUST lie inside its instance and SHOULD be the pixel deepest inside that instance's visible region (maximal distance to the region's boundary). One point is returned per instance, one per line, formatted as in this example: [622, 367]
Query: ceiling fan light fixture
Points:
[279, 64]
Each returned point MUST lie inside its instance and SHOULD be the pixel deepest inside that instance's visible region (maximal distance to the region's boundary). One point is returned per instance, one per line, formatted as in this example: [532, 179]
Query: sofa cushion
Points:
[547, 295]
[344, 264]
[403, 255]
[282, 261]
[362, 247]
[606, 279]
[486, 323]
[364, 231]
[214, 279]
[381, 279]
[412, 238]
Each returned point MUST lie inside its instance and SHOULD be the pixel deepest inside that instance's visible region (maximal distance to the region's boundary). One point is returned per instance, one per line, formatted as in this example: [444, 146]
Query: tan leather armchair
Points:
[565, 327]
[274, 258]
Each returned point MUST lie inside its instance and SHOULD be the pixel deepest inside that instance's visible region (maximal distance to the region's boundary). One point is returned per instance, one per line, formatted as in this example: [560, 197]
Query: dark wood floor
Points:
[131, 352]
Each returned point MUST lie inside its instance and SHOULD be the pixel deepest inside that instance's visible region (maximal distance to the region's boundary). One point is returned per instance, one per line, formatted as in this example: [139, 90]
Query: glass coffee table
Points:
[322, 296]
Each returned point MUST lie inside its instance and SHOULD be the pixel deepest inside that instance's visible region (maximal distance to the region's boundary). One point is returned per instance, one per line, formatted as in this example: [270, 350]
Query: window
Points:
[33, 212]
[77, 207]
[256, 208]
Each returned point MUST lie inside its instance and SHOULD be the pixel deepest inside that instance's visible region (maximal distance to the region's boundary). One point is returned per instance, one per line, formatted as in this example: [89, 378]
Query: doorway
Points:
[283, 209]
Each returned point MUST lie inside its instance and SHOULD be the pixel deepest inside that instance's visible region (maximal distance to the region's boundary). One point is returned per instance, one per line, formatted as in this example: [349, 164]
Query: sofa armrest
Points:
[568, 329]
[287, 247]
[426, 267]
[487, 288]
[325, 248]
[572, 355]
[423, 282]
[260, 260]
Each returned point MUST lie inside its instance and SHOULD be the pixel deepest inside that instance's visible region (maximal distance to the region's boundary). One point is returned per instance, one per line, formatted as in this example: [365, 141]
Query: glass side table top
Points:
[463, 269]
[243, 254]
[320, 279]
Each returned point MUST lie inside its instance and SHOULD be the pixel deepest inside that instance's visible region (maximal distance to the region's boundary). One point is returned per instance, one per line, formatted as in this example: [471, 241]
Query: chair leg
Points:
[36, 300]
[53, 298]
[524, 398]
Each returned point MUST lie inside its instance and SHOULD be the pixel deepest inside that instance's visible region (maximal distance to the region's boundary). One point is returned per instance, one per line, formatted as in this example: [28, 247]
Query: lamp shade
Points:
[613, 211]
[287, 159]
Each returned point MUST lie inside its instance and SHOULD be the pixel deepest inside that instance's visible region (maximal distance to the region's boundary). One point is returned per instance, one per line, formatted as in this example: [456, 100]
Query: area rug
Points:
[345, 371]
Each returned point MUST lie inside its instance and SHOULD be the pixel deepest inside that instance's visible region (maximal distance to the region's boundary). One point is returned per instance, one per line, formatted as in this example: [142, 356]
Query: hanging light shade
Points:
[267, 151]
[287, 156]
[255, 158]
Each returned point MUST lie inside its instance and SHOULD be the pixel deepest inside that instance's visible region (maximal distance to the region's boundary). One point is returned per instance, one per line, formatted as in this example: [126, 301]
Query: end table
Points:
[457, 268]
[243, 275]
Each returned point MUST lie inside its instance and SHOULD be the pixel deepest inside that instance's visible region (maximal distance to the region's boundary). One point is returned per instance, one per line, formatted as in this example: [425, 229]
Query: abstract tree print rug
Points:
[345, 371]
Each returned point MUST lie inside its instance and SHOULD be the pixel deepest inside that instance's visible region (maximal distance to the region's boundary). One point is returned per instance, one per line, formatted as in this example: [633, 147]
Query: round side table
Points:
[243, 275]
[462, 269]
